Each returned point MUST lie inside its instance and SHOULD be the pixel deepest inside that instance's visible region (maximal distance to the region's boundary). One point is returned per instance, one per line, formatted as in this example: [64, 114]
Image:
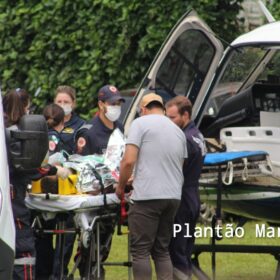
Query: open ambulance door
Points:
[184, 65]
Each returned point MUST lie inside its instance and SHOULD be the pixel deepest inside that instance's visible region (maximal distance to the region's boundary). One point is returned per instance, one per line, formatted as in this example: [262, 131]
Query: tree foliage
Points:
[86, 43]
[274, 7]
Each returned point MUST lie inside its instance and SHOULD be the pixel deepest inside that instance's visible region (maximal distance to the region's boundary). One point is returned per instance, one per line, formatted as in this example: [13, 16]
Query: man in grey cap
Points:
[156, 147]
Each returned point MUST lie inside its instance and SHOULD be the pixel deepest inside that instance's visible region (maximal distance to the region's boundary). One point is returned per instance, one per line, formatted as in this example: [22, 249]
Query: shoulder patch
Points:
[52, 146]
[81, 142]
[54, 139]
[69, 130]
[201, 144]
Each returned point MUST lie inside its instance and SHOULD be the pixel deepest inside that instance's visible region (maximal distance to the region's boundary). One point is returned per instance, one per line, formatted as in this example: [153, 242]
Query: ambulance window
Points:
[271, 73]
[185, 66]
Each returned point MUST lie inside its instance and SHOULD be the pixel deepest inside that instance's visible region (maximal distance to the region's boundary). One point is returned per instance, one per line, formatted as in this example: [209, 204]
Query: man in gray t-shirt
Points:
[156, 147]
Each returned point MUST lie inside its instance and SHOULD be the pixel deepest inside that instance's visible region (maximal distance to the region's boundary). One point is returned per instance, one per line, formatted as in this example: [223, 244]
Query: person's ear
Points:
[186, 115]
[101, 105]
[74, 104]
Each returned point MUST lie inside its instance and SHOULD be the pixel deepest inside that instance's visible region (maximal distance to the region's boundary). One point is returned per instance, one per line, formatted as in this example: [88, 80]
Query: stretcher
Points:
[224, 170]
[89, 213]
[239, 165]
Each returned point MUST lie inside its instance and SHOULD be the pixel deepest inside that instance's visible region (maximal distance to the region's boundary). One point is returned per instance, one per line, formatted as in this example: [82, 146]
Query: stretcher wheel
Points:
[85, 239]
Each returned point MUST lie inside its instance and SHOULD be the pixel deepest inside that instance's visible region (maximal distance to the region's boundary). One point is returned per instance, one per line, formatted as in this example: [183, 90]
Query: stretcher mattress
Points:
[240, 165]
[62, 203]
[224, 157]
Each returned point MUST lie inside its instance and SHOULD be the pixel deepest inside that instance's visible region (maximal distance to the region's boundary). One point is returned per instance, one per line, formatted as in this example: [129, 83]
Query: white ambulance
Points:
[7, 231]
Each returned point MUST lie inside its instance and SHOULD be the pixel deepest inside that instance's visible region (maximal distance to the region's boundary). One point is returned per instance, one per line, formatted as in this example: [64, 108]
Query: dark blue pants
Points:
[45, 251]
[48, 261]
[107, 227]
[68, 249]
[25, 246]
[181, 247]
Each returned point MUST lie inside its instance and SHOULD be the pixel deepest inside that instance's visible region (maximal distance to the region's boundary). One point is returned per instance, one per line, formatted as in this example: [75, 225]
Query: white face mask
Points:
[113, 112]
[67, 109]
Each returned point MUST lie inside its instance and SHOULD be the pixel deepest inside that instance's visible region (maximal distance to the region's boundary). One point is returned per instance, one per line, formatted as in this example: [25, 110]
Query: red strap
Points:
[123, 210]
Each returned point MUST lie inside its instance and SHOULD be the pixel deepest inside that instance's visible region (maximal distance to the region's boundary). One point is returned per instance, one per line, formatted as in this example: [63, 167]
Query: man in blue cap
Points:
[94, 136]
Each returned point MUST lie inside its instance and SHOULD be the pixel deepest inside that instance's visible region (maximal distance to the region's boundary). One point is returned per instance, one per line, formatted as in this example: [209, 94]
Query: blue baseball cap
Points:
[110, 94]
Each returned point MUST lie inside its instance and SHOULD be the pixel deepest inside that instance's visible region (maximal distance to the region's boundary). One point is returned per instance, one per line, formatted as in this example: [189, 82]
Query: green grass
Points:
[233, 266]
[230, 266]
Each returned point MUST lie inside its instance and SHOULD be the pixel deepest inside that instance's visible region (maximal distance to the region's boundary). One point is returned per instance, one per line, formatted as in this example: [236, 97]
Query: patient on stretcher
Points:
[92, 174]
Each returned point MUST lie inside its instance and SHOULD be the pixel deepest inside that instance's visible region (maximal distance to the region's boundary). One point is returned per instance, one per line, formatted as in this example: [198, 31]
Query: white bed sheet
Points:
[62, 203]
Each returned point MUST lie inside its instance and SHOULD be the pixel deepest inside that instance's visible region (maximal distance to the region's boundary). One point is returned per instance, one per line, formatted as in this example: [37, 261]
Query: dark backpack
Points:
[27, 142]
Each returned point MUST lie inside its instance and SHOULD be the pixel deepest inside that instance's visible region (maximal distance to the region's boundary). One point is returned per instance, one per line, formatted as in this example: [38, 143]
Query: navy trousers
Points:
[181, 247]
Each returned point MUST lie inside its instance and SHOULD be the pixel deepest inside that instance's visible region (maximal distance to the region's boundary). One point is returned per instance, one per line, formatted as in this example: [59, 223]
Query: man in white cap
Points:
[156, 147]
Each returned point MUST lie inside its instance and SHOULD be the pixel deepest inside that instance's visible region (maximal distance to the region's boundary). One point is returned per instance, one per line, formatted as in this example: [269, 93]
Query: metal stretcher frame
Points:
[87, 225]
[217, 161]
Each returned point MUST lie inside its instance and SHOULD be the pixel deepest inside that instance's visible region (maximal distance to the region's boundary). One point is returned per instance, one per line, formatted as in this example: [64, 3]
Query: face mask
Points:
[67, 109]
[113, 112]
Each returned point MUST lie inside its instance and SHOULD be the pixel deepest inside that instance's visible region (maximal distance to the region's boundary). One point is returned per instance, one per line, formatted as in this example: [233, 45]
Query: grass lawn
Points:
[230, 266]
[233, 266]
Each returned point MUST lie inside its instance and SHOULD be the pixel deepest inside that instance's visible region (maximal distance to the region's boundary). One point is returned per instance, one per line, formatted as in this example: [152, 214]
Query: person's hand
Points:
[130, 180]
[63, 172]
[118, 191]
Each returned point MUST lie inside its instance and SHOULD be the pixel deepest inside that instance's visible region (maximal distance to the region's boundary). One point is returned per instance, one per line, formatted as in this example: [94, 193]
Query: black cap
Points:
[109, 93]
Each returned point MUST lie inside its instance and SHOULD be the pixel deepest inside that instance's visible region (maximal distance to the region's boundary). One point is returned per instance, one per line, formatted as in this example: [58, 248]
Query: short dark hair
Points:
[182, 103]
[53, 114]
